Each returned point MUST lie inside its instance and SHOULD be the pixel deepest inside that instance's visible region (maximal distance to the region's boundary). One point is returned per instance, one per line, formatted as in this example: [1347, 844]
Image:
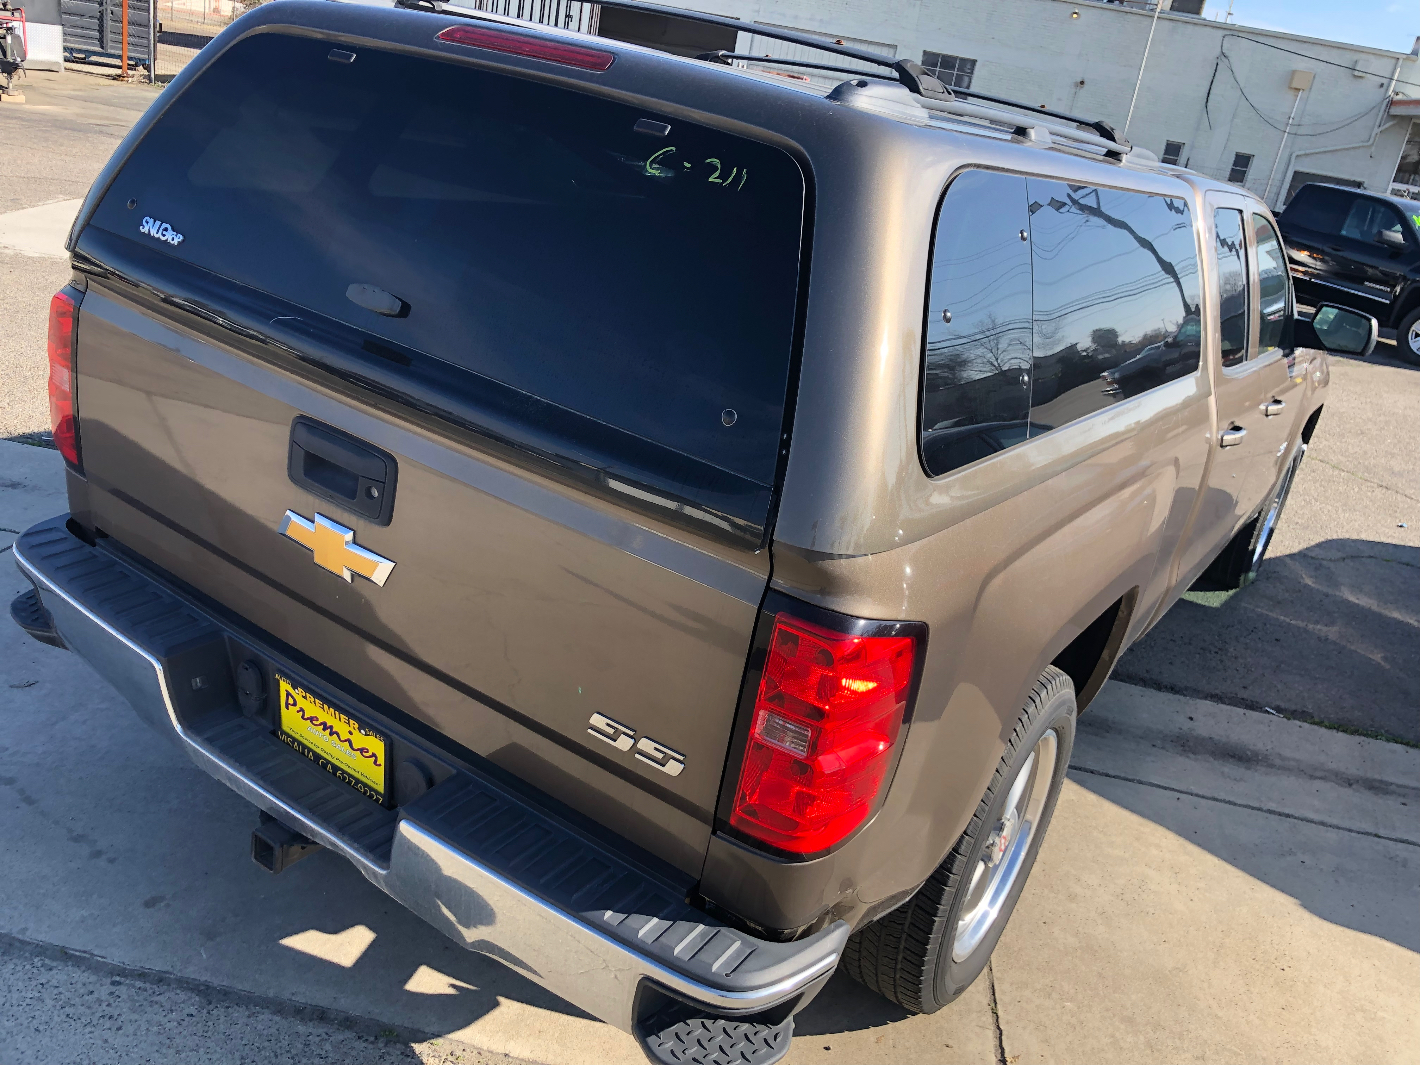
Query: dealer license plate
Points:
[336, 742]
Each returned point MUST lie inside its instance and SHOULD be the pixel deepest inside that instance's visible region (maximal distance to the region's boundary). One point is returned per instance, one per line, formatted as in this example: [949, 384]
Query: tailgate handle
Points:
[332, 464]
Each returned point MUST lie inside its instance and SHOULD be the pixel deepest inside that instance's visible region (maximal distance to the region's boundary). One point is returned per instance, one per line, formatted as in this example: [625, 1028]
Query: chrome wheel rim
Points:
[1006, 848]
[1265, 536]
[1413, 338]
[1269, 524]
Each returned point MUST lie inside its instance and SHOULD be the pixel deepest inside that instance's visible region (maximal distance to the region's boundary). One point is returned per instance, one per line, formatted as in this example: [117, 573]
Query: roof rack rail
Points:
[1040, 133]
[728, 58]
[916, 78]
[1100, 126]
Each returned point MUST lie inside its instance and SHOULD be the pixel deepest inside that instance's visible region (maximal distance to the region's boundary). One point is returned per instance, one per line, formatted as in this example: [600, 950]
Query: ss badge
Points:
[670, 762]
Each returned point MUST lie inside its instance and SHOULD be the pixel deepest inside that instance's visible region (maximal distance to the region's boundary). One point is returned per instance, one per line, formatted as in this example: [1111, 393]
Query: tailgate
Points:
[511, 322]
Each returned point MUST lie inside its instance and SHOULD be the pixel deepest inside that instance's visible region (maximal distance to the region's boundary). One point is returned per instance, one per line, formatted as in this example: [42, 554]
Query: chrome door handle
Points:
[1231, 437]
[1273, 408]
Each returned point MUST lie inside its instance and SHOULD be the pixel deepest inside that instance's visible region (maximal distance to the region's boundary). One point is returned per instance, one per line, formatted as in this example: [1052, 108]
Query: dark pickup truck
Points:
[658, 519]
[1357, 249]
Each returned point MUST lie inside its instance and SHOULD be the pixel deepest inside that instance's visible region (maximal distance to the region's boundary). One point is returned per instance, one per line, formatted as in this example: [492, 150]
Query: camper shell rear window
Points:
[628, 277]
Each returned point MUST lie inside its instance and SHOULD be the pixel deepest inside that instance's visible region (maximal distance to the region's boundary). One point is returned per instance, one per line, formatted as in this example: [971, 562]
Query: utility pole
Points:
[1158, 5]
[123, 74]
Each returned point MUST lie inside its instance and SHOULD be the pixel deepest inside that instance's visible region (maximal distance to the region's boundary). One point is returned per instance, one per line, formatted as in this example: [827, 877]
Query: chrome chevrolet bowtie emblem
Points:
[334, 548]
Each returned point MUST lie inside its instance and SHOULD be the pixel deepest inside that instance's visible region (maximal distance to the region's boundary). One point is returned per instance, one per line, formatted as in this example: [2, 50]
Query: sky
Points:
[1390, 24]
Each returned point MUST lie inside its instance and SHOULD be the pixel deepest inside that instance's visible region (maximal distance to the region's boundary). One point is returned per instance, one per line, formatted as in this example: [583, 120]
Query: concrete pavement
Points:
[64, 1008]
[31, 488]
[1218, 885]
[55, 144]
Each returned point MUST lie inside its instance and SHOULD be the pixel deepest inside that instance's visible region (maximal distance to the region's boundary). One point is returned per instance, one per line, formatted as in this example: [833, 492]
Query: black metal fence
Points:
[185, 26]
[95, 28]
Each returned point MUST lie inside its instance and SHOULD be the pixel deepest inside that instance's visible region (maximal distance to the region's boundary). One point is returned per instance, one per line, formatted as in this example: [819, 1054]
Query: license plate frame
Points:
[334, 740]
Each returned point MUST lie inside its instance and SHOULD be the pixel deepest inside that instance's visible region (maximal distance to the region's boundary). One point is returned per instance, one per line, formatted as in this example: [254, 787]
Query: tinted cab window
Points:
[976, 379]
[1048, 302]
[1234, 303]
[1274, 292]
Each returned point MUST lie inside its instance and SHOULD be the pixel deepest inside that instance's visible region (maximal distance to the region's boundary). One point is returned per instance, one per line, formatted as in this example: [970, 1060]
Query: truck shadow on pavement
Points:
[1330, 633]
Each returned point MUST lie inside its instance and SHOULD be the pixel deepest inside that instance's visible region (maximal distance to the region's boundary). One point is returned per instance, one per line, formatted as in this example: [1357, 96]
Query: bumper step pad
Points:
[684, 1036]
[366, 828]
[29, 613]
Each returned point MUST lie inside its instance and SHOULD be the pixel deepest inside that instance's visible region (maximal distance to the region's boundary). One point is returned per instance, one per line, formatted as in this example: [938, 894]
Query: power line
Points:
[1293, 131]
[1325, 62]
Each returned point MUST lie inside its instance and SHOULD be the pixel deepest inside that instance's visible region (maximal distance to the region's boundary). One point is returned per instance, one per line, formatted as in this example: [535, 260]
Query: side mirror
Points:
[1392, 239]
[1337, 329]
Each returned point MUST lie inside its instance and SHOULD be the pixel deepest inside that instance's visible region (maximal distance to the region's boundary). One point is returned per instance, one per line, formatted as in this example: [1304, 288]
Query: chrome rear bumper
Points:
[138, 632]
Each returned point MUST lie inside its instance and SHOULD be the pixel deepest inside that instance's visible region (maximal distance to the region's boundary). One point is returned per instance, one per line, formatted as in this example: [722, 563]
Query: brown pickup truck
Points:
[658, 519]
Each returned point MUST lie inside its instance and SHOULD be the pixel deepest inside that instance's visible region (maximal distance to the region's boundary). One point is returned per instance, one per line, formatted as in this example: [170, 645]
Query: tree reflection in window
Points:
[1233, 303]
[1115, 297]
[976, 387]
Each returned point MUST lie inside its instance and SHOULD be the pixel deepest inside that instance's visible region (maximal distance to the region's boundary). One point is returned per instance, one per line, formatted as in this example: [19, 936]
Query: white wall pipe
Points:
[1381, 126]
[1282, 144]
[1158, 6]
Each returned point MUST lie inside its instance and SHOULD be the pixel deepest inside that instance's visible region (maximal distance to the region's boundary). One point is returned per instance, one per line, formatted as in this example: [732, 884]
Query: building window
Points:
[1172, 151]
[1241, 164]
[953, 71]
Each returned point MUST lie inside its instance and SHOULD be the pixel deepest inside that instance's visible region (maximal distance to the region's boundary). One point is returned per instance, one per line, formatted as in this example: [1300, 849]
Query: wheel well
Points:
[1090, 656]
[1412, 300]
[1310, 426]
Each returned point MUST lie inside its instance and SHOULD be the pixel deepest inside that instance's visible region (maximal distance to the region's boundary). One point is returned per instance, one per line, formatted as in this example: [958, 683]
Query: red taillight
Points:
[533, 47]
[62, 416]
[826, 717]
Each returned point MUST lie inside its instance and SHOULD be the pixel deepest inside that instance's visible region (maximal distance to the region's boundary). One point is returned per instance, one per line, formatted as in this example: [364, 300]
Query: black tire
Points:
[1407, 337]
[907, 955]
[1238, 564]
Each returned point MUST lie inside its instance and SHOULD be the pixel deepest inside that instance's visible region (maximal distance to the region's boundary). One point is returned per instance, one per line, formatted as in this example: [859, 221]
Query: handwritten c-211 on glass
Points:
[661, 165]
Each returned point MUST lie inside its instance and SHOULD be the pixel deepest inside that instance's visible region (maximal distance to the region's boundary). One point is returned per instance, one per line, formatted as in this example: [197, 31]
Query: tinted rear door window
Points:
[976, 394]
[1116, 297]
[648, 283]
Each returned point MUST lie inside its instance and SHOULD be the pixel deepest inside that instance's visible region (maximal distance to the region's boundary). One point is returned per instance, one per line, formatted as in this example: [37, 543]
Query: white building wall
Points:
[1041, 52]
